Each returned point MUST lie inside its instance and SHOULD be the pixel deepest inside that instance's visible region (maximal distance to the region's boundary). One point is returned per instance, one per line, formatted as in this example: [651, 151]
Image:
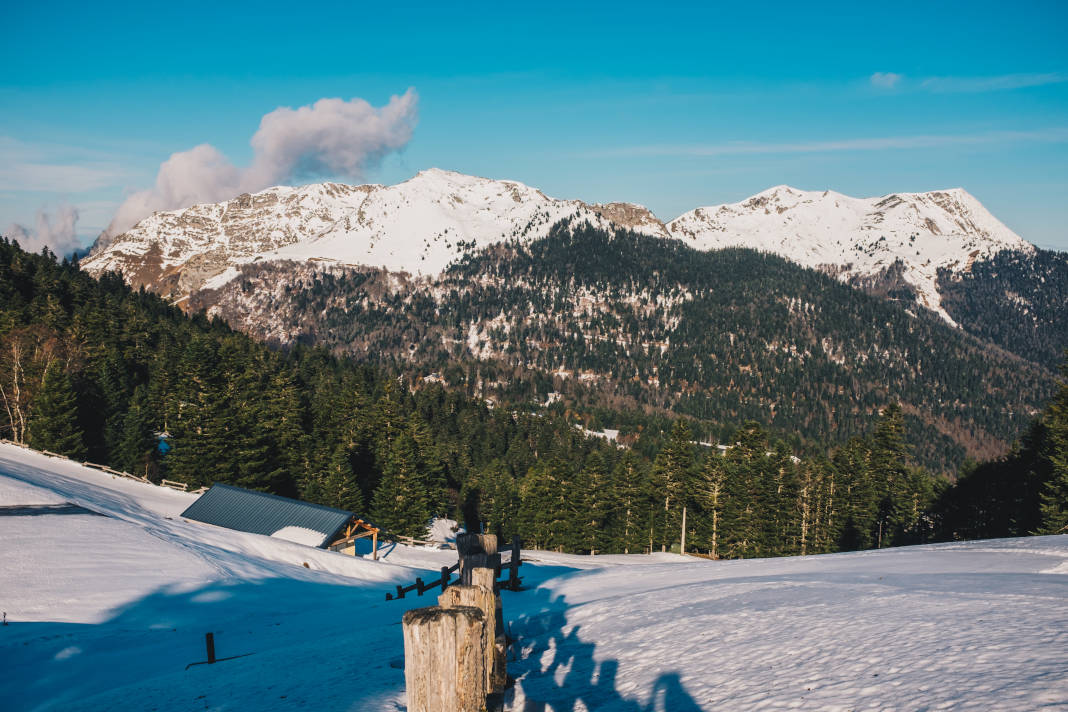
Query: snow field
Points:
[108, 606]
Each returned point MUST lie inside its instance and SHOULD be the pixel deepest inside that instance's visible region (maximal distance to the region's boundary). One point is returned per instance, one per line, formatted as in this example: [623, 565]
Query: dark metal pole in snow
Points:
[209, 638]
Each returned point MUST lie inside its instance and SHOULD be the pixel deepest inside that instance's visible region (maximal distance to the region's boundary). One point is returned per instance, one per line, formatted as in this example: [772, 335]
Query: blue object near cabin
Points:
[261, 513]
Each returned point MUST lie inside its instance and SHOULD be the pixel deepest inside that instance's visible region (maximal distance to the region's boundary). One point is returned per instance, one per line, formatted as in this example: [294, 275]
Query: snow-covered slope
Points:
[854, 237]
[417, 226]
[108, 599]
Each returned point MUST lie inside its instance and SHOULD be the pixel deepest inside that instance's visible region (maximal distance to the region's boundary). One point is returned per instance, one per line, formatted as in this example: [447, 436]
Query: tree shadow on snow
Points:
[304, 644]
[557, 671]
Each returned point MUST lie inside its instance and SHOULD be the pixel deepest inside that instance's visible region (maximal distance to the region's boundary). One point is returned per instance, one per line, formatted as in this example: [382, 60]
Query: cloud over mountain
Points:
[330, 137]
[58, 233]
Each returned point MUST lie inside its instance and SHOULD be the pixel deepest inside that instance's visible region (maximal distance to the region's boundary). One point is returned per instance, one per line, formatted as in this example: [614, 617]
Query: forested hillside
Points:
[632, 323]
[1016, 300]
[95, 370]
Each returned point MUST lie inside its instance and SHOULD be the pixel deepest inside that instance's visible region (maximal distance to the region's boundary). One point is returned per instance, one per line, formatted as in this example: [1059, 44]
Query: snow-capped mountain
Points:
[417, 226]
[421, 225]
[858, 237]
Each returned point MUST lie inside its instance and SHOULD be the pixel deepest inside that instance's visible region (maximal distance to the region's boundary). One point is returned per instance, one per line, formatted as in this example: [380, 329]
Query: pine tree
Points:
[340, 488]
[673, 475]
[591, 502]
[1054, 506]
[137, 446]
[745, 466]
[889, 471]
[54, 421]
[711, 495]
[400, 503]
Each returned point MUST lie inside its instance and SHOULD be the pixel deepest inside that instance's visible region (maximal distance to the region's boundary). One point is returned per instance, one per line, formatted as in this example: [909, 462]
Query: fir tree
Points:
[54, 421]
[339, 486]
[1054, 506]
[137, 447]
[400, 504]
[673, 476]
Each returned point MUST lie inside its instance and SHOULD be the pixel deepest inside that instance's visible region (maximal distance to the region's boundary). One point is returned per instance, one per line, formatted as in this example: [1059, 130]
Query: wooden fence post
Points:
[484, 599]
[474, 550]
[513, 571]
[445, 659]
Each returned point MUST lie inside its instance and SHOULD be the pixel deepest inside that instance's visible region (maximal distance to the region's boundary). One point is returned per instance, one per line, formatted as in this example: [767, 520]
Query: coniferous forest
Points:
[625, 322]
[100, 372]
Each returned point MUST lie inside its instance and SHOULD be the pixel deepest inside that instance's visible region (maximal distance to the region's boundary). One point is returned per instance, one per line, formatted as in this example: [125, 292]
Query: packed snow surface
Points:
[109, 593]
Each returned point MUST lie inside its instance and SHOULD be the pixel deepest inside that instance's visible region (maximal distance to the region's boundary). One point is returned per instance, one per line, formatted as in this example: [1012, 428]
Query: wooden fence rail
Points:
[180, 486]
[512, 583]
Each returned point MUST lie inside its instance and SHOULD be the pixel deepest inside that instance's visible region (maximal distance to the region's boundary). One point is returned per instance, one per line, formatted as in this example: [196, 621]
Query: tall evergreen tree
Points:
[339, 486]
[137, 447]
[673, 473]
[54, 422]
[1054, 506]
[400, 503]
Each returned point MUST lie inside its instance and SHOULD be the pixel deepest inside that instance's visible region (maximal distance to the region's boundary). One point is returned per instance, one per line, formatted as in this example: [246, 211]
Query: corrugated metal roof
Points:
[261, 513]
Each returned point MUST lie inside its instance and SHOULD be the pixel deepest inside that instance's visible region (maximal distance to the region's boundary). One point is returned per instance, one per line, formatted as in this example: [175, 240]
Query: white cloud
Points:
[885, 80]
[330, 137]
[995, 83]
[58, 233]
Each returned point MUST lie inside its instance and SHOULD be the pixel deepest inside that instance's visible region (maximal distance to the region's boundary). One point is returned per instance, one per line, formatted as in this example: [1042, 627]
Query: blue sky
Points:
[669, 105]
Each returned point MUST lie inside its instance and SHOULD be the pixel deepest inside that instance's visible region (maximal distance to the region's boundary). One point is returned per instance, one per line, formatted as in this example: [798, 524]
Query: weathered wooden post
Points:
[475, 550]
[479, 567]
[513, 571]
[445, 659]
[485, 600]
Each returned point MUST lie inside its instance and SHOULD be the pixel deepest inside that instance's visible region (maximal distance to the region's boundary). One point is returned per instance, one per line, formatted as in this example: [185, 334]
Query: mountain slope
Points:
[1016, 300]
[892, 245]
[418, 226]
[619, 319]
[858, 237]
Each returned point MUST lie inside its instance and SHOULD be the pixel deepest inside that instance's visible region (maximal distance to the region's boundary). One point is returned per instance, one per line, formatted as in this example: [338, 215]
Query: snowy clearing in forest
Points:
[108, 600]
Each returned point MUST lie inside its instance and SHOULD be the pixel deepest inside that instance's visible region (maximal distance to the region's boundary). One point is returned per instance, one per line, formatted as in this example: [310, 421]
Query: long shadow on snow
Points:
[586, 680]
[316, 644]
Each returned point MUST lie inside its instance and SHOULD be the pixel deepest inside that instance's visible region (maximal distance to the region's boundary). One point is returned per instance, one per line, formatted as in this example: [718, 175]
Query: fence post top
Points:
[430, 614]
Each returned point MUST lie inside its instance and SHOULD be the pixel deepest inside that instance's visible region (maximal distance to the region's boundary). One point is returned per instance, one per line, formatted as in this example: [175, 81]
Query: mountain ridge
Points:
[422, 225]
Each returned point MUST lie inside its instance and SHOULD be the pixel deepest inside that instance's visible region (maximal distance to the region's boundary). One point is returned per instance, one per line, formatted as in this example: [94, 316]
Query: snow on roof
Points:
[261, 513]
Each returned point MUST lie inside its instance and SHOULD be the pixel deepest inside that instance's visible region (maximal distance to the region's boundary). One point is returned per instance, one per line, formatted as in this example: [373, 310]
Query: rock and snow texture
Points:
[418, 226]
[421, 225]
[858, 237]
[106, 607]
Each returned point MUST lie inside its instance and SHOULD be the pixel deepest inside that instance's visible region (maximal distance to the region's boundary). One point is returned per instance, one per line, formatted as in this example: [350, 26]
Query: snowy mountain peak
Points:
[421, 225]
[857, 237]
[418, 226]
